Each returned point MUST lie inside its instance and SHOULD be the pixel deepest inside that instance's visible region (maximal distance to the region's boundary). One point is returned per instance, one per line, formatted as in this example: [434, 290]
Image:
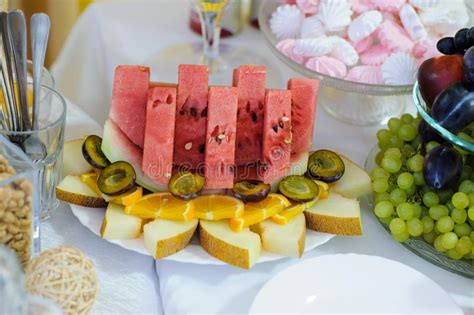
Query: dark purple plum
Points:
[250, 190]
[92, 152]
[470, 36]
[454, 107]
[442, 168]
[469, 64]
[428, 133]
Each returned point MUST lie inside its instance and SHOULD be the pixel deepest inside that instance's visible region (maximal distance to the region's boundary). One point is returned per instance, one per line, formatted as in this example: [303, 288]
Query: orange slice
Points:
[162, 205]
[218, 207]
[323, 189]
[292, 211]
[256, 212]
[127, 199]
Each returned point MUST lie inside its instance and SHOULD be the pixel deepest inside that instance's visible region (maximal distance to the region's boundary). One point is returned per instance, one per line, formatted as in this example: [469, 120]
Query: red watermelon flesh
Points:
[304, 93]
[220, 135]
[129, 98]
[250, 80]
[159, 134]
[277, 138]
[191, 116]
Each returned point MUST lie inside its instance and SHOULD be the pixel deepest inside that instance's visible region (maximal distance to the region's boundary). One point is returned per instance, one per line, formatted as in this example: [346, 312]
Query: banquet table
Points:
[129, 32]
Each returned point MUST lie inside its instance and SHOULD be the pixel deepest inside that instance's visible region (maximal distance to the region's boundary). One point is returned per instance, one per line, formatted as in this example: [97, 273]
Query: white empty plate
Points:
[350, 283]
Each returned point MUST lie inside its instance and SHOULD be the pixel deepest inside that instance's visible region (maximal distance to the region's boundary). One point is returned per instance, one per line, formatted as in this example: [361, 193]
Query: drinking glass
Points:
[221, 58]
[44, 145]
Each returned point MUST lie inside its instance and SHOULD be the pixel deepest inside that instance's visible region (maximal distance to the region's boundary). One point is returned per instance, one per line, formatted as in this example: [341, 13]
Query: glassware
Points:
[221, 58]
[50, 132]
[446, 134]
[418, 245]
[13, 297]
[19, 203]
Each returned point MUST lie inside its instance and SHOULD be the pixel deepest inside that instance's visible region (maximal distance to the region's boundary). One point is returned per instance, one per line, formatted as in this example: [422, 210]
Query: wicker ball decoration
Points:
[66, 276]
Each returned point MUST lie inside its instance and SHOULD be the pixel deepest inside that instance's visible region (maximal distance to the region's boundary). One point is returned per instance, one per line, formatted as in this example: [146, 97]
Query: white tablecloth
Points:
[129, 32]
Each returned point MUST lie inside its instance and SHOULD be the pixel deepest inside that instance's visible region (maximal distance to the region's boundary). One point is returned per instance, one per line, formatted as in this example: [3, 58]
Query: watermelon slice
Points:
[304, 93]
[220, 135]
[129, 98]
[250, 80]
[276, 149]
[159, 134]
[191, 116]
[118, 147]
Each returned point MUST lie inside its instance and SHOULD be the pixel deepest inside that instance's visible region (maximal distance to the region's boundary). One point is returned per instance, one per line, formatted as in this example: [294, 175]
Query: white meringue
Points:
[399, 69]
[335, 14]
[445, 18]
[286, 21]
[412, 23]
[364, 25]
[313, 47]
[287, 46]
[312, 27]
[424, 4]
[344, 51]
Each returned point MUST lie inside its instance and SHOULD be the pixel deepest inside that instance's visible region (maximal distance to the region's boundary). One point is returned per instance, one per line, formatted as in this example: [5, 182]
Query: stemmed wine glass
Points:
[221, 58]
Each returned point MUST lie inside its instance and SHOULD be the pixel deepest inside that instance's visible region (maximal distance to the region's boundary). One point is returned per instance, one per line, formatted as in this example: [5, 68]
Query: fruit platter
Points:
[422, 170]
[228, 171]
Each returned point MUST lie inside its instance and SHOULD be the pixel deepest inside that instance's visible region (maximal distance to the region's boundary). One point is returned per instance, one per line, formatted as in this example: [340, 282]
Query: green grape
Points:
[405, 211]
[391, 164]
[415, 163]
[407, 132]
[395, 142]
[471, 236]
[425, 189]
[397, 226]
[454, 254]
[438, 211]
[431, 145]
[459, 216]
[414, 227]
[393, 152]
[379, 172]
[394, 124]
[460, 200]
[417, 210]
[405, 180]
[462, 229]
[379, 157]
[466, 186]
[401, 237]
[429, 237]
[384, 209]
[438, 244]
[419, 178]
[380, 185]
[407, 118]
[445, 224]
[464, 245]
[471, 198]
[416, 143]
[411, 191]
[449, 240]
[407, 151]
[397, 196]
[386, 220]
[378, 197]
[383, 136]
[436, 230]
[445, 195]
[428, 224]
[470, 213]
[450, 205]
[466, 173]
[430, 199]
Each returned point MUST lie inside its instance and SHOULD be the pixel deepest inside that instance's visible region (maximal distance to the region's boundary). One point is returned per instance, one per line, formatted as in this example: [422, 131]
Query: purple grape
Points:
[460, 40]
[446, 46]
[470, 36]
[469, 64]
[442, 168]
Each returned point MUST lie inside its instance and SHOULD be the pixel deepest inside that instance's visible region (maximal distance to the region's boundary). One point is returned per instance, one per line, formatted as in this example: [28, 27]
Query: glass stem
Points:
[211, 34]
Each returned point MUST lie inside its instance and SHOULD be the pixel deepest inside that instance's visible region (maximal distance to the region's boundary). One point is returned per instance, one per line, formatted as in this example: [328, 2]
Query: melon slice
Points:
[286, 240]
[220, 147]
[71, 189]
[129, 98]
[117, 147]
[191, 116]
[160, 120]
[276, 148]
[240, 249]
[163, 238]
[118, 225]
[304, 94]
[250, 80]
[354, 183]
[73, 160]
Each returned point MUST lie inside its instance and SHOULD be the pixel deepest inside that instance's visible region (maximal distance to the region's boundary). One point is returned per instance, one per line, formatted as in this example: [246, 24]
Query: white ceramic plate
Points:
[193, 253]
[349, 284]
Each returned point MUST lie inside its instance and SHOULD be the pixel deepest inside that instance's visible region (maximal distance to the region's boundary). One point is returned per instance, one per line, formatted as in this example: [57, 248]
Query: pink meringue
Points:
[425, 48]
[360, 6]
[364, 25]
[365, 74]
[375, 55]
[287, 46]
[394, 37]
[328, 66]
[412, 23]
[364, 44]
[389, 5]
[308, 6]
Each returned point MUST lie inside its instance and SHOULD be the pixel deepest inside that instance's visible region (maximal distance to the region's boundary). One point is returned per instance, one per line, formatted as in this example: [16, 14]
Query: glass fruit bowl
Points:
[419, 246]
[446, 134]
